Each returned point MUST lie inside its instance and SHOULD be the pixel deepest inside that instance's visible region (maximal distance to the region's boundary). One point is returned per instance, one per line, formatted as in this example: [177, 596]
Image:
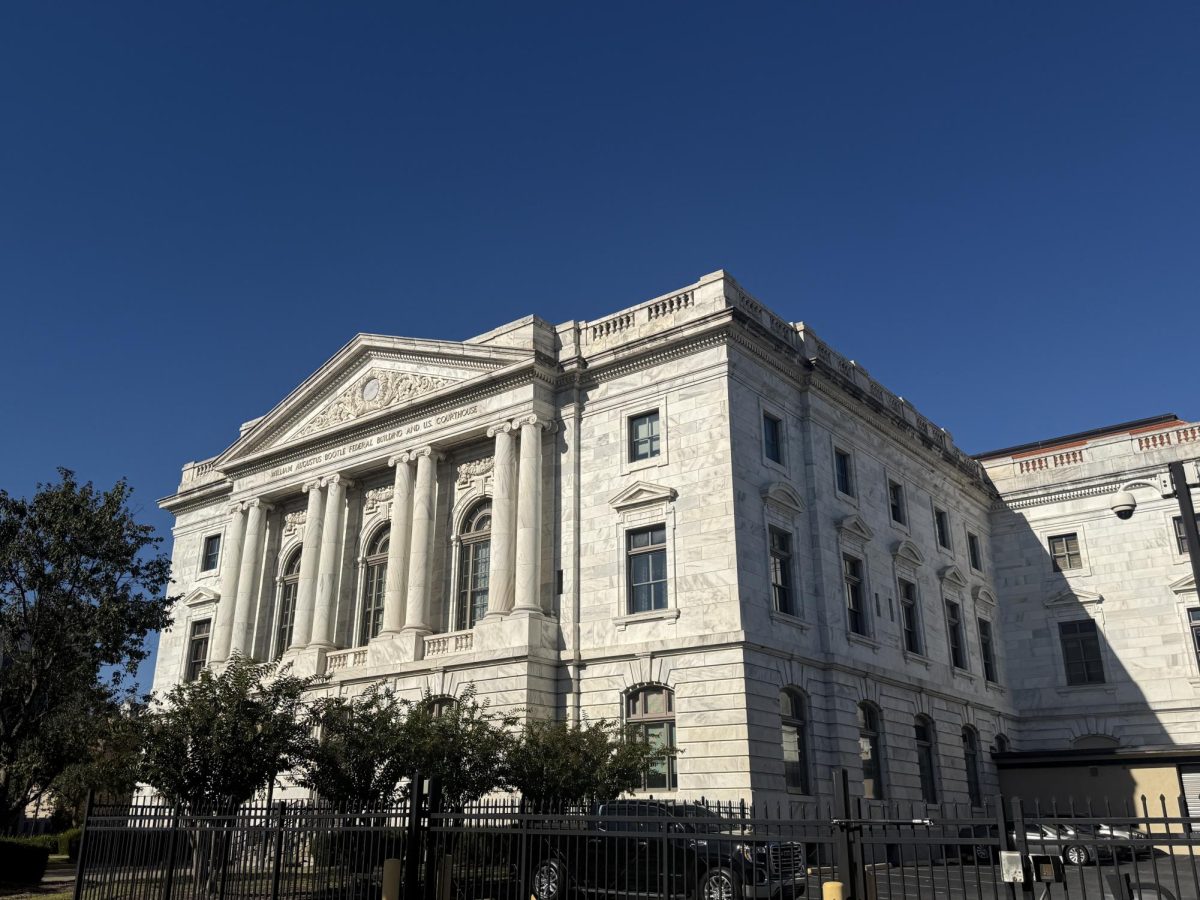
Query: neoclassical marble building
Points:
[691, 515]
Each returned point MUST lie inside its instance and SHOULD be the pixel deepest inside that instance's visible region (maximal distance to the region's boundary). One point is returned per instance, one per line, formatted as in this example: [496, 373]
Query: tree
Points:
[110, 768]
[81, 586]
[461, 743]
[360, 757]
[584, 762]
[210, 744]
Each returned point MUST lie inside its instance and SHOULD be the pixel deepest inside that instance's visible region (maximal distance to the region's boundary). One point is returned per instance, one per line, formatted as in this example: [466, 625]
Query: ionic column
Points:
[529, 517]
[416, 614]
[398, 541]
[310, 550]
[504, 515]
[231, 562]
[243, 618]
[330, 563]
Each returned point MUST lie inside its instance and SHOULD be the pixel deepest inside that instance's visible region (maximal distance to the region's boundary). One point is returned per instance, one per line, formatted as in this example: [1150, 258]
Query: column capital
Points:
[339, 479]
[542, 422]
[422, 452]
[238, 507]
[314, 485]
[400, 459]
[500, 428]
[258, 503]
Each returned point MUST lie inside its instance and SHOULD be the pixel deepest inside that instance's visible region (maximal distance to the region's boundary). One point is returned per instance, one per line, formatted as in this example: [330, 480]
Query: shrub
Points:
[21, 862]
[67, 840]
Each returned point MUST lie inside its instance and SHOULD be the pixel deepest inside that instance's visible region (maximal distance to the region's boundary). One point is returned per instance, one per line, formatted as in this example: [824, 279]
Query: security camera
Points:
[1123, 504]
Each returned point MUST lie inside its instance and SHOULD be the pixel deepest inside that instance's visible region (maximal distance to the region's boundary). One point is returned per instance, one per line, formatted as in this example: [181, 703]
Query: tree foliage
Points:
[110, 768]
[360, 756]
[584, 762]
[212, 743]
[81, 586]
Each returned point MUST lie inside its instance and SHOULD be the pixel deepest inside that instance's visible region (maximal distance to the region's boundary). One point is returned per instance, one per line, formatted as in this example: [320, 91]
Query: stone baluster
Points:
[416, 615]
[330, 562]
[306, 587]
[243, 616]
[504, 516]
[398, 543]
[231, 562]
[529, 517]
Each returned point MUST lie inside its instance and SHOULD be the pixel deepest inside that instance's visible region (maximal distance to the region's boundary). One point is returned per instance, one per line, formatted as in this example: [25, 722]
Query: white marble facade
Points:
[354, 511]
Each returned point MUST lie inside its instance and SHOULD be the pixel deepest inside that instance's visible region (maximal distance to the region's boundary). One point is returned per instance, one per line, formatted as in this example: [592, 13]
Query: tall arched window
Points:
[926, 757]
[794, 714]
[374, 581]
[650, 715]
[869, 750]
[285, 617]
[474, 556]
[970, 741]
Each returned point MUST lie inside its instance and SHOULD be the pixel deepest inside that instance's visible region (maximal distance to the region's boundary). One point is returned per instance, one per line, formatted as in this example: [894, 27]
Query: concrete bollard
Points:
[833, 890]
[392, 870]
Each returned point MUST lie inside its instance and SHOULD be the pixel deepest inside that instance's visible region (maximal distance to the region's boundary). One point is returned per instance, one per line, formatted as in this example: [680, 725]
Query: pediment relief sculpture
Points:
[372, 391]
[476, 468]
[373, 498]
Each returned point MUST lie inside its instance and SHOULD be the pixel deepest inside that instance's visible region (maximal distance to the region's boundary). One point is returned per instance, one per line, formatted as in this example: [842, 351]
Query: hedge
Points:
[22, 862]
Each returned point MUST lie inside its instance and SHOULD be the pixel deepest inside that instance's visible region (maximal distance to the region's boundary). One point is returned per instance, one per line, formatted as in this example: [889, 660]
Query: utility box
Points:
[1012, 867]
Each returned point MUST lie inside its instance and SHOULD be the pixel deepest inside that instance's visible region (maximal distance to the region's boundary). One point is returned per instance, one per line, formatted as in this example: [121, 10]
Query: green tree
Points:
[584, 762]
[110, 768]
[81, 586]
[210, 744]
[461, 743]
[360, 756]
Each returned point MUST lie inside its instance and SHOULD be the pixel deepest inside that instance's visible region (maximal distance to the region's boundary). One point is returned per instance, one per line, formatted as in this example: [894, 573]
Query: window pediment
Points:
[200, 596]
[952, 576]
[983, 595]
[908, 552]
[1185, 585]
[783, 497]
[641, 493]
[1073, 597]
[854, 527]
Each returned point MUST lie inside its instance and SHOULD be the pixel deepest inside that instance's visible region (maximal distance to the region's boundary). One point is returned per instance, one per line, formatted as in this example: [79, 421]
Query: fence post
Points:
[277, 862]
[412, 838]
[846, 850]
[83, 841]
[1020, 839]
[172, 852]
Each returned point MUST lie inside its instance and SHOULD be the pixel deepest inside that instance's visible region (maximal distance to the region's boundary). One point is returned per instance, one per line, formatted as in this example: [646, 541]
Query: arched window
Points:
[926, 757]
[650, 715]
[970, 741]
[794, 713]
[285, 618]
[474, 555]
[1001, 744]
[869, 750]
[374, 582]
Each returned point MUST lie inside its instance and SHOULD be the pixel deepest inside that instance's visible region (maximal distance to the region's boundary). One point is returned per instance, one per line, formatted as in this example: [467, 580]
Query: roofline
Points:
[1161, 419]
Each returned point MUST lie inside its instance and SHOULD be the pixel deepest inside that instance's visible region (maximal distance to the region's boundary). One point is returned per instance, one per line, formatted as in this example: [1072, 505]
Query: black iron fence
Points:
[641, 848]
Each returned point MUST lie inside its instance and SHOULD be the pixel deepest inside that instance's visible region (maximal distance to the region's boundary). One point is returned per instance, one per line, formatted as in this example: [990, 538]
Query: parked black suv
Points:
[645, 847]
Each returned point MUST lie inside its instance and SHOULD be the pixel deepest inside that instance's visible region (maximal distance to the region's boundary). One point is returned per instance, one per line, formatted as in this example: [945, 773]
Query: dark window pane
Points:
[211, 554]
[772, 438]
[643, 436]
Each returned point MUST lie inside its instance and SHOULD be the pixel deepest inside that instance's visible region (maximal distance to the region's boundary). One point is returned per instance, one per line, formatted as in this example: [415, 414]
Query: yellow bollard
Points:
[391, 879]
[833, 890]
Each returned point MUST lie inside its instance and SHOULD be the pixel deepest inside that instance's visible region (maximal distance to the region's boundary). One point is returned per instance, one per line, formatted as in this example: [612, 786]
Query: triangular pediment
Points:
[907, 551]
[952, 576]
[1185, 585]
[1073, 596]
[201, 595]
[371, 378]
[854, 526]
[784, 496]
[640, 493]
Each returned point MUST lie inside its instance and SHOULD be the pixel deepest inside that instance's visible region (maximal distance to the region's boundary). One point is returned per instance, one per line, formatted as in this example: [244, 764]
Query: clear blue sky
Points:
[993, 206]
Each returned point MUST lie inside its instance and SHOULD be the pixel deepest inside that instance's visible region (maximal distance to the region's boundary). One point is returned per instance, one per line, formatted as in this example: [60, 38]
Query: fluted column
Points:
[310, 550]
[504, 517]
[243, 616]
[398, 542]
[231, 562]
[416, 614]
[529, 517]
[330, 562]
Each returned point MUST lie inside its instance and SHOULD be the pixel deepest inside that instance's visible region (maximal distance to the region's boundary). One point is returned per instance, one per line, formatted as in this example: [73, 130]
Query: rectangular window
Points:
[1194, 623]
[1180, 537]
[843, 471]
[773, 438]
[856, 610]
[1081, 652]
[987, 650]
[781, 570]
[643, 436]
[197, 656]
[954, 625]
[212, 553]
[896, 502]
[975, 552]
[647, 553]
[941, 525]
[1064, 552]
[908, 615]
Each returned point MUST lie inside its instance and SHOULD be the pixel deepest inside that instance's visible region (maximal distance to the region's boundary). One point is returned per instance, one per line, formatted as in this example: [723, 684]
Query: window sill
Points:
[995, 687]
[847, 498]
[899, 526]
[654, 615]
[789, 619]
[1068, 689]
[962, 673]
[918, 658]
[855, 638]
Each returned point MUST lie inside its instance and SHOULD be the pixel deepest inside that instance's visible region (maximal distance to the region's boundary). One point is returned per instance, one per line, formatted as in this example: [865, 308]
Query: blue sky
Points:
[993, 206]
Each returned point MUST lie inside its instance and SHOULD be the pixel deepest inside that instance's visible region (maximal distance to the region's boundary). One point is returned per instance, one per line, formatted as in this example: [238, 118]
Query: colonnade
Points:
[514, 575]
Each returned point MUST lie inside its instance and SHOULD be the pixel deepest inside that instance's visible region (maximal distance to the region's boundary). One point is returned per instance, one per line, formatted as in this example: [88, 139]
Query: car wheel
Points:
[718, 884]
[983, 853]
[549, 881]
[1077, 855]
